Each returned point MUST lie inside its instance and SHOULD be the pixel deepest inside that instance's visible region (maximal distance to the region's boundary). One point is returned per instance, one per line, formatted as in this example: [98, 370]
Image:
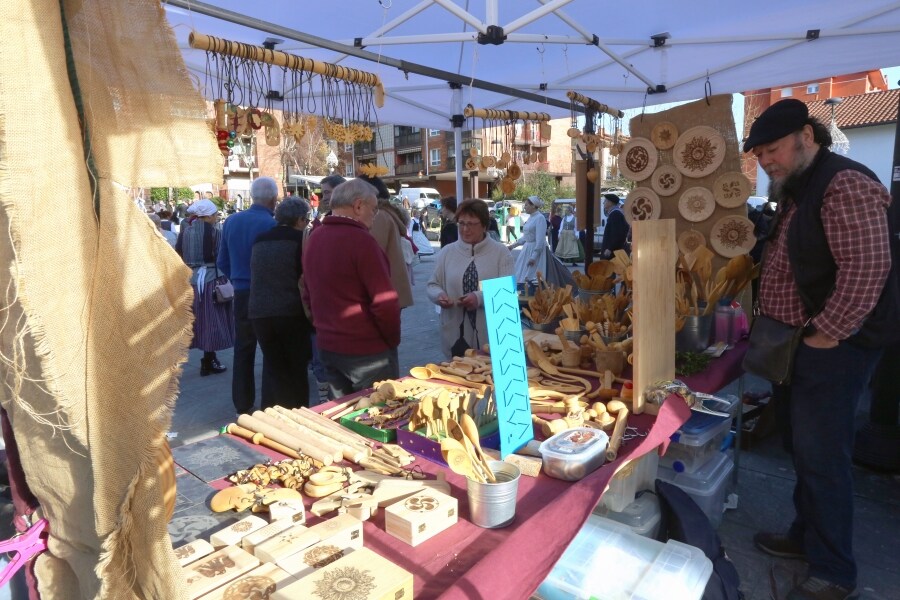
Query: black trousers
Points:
[243, 379]
[287, 350]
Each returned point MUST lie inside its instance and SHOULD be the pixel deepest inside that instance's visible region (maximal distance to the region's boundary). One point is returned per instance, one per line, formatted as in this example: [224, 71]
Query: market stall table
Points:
[468, 562]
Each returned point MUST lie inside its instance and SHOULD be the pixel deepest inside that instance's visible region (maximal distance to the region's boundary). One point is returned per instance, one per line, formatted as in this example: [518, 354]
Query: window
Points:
[435, 156]
[812, 88]
[348, 170]
[434, 132]
[787, 92]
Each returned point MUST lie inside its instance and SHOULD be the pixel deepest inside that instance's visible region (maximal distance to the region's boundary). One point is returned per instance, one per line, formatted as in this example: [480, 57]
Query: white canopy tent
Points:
[525, 55]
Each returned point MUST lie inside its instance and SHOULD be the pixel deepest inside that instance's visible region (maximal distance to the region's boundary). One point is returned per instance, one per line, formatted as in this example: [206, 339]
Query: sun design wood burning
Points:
[348, 583]
[250, 588]
[734, 234]
[322, 555]
[698, 153]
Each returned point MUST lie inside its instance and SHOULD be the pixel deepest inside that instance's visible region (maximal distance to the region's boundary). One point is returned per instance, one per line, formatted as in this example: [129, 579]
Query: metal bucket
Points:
[694, 336]
[493, 505]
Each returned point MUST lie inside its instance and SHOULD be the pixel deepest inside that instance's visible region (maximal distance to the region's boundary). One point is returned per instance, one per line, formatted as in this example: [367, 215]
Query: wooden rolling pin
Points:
[274, 433]
[302, 432]
[351, 451]
[327, 427]
[612, 450]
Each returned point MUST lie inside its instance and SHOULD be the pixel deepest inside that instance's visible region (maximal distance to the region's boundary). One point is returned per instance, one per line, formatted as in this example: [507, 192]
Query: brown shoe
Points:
[819, 589]
[779, 545]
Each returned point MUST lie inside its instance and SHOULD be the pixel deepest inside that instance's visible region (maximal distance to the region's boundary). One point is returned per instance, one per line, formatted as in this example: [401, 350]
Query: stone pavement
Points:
[764, 486]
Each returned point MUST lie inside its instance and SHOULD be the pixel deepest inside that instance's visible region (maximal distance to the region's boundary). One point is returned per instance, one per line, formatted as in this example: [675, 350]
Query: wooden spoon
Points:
[470, 429]
[458, 459]
[427, 373]
[456, 432]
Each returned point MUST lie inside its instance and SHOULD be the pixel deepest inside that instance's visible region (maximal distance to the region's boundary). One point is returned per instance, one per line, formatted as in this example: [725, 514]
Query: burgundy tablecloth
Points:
[470, 563]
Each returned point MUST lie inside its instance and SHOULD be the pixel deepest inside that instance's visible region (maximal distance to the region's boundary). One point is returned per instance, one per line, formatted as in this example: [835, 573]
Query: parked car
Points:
[761, 203]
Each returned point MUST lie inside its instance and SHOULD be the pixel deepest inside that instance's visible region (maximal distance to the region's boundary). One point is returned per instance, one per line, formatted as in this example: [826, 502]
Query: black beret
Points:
[782, 118]
[611, 198]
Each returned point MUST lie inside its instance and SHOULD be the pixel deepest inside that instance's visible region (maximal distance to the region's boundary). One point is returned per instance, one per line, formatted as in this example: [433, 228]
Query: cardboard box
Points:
[260, 583]
[368, 575]
[421, 516]
[217, 569]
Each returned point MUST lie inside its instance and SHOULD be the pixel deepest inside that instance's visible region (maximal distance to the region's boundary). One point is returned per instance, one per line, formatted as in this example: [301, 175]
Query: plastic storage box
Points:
[696, 443]
[635, 476]
[574, 453]
[608, 561]
[707, 486]
[641, 516]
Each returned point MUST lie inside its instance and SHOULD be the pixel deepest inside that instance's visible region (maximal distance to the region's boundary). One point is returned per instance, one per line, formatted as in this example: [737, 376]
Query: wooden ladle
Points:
[456, 432]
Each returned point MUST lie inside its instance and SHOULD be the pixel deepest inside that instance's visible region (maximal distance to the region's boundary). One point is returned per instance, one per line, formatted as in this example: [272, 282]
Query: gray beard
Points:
[788, 188]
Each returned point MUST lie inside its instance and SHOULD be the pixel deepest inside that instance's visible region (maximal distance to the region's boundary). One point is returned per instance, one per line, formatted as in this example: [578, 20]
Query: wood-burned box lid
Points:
[260, 583]
[217, 569]
[421, 516]
[234, 533]
[192, 552]
[361, 575]
[250, 542]
[285, 543]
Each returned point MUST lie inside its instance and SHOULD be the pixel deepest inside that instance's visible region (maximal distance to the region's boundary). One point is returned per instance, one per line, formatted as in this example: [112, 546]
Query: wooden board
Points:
[194, 551]
[654, 252]
[217, 569]
[234, 533]
[257, 584]
[371, 576]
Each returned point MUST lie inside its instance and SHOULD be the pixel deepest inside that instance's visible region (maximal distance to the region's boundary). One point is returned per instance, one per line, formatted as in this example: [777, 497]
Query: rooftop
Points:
[862, 110]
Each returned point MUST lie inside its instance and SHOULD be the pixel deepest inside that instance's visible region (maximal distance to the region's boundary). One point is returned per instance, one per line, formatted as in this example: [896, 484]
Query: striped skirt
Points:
[213, 322]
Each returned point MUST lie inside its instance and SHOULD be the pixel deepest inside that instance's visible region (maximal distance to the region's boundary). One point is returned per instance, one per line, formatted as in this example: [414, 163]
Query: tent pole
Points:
[458, 120]
[215, 12]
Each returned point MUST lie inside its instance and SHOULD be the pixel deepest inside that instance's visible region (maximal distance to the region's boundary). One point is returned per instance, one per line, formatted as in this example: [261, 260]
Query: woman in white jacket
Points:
[458, 268]
[534, 237]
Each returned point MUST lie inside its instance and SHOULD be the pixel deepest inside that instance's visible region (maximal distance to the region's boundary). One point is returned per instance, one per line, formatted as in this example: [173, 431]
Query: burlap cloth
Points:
[95, 315]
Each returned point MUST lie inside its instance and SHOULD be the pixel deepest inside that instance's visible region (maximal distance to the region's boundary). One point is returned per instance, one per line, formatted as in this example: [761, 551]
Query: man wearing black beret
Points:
[827, 267]
[615, 233]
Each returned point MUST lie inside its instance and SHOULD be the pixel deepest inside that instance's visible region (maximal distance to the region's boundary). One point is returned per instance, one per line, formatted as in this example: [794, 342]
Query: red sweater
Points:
[348, 279]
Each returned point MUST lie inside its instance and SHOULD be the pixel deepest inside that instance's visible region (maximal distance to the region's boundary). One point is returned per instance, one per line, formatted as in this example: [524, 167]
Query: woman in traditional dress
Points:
[458, 268]
[569, 248]
[198, 245]
[533, 256]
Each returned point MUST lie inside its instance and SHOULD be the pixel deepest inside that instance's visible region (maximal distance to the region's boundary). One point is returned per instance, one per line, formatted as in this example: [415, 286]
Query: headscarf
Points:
[536, 201]
[203, 208]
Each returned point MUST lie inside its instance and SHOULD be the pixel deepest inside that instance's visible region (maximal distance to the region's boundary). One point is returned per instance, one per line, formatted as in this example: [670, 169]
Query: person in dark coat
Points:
[449, 231]
[615, 233]
[276, 309]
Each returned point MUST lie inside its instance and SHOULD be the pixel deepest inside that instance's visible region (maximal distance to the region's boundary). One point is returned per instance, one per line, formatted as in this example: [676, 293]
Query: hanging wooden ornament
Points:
[732, 236]
[666, 180]
[642, 204]
[731, 190]
[696, 204]
[638, 159]
[664, 135]
[699, 151]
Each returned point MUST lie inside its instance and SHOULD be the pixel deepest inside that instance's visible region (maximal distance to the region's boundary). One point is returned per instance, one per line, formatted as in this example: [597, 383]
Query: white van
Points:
[419, 198]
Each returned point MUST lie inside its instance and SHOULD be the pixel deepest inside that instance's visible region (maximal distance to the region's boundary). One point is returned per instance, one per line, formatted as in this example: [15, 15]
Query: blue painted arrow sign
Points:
[501, 307]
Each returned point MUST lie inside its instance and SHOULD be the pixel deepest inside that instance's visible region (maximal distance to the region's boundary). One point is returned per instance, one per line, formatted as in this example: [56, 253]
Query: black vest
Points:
[812, 262]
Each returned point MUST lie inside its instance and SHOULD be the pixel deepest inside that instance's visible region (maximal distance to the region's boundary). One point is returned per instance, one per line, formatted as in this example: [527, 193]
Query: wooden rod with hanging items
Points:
[200, 41]
[504, 115]
[593, 104]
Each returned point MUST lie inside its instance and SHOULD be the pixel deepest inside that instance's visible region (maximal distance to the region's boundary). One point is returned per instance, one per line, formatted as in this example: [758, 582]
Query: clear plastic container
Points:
[574, 453]
[631, 478]
[642, 516]
[607, 561]
[707, 486]
[696, 443]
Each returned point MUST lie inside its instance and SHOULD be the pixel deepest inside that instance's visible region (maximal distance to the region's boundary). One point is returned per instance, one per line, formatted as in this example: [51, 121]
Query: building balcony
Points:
[402, 141]
[409, 169]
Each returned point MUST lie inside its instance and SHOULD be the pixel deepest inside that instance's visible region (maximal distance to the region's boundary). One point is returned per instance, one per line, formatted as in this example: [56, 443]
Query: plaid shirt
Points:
[855, 223]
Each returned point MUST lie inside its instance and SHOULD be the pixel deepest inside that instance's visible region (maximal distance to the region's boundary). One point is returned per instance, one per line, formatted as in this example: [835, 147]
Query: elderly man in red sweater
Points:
[354, 306]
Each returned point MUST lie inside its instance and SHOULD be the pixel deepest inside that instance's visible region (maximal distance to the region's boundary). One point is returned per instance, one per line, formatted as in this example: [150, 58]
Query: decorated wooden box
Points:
[194, 551]
[217, 569]
[344, 528]
[323, 553]
[361, 575]
[258, 584]
[421, 516]
[234, 533]
[250, 542]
